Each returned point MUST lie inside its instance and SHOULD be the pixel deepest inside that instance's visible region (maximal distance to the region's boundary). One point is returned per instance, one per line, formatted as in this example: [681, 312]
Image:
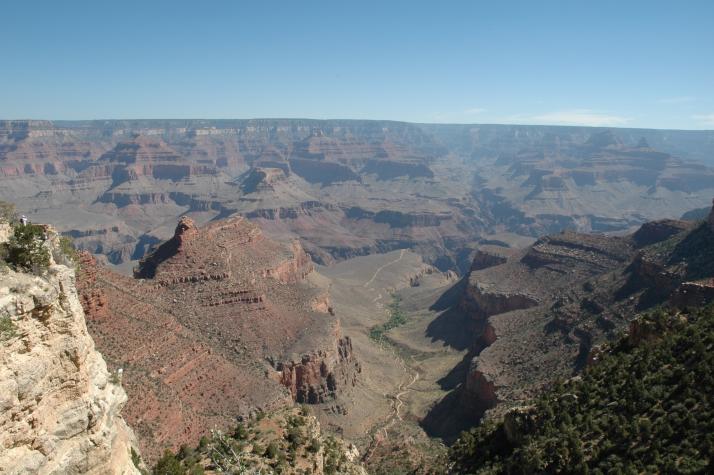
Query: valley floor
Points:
[406, 372]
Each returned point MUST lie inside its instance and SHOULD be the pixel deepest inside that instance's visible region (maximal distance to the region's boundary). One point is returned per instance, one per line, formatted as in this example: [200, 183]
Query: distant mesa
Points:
[263, 179]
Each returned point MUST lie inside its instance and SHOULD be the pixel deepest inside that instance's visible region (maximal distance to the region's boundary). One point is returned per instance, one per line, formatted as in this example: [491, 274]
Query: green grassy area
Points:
[644, 408]
[397, 317]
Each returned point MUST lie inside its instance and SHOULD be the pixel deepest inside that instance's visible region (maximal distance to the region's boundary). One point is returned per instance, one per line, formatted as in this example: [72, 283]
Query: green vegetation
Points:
[7, 328]
[170, 464]
[26, 248]
[334, 456]
[697, 250]
[396, 318]
[136, 460]
[647, 407]
[67, 248]
[282, 442]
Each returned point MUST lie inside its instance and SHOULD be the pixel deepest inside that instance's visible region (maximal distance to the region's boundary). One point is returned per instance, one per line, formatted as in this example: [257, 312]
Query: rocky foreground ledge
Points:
[59, 406]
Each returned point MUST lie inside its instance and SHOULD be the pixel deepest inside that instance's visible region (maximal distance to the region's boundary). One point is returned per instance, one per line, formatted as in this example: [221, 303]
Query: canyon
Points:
[401, 281]
[542, 313]
[347, 188]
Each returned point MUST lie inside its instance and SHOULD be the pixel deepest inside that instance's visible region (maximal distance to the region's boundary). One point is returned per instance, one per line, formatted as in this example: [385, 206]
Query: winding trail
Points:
[406, 388]
[397, 402]
[374, 276]
[396, 406]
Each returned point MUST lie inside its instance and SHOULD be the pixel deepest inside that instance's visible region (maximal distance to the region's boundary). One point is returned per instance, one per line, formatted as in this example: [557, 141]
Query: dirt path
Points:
[401, 254]
[398, 397]
[396, 405]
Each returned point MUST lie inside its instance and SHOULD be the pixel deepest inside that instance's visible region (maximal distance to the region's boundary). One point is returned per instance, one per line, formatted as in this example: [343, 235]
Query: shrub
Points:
[258, 449]
[26, 249]
[314, 446]
[135, 458]
[295, 437]
[643, 405]
[272, 450]
[67, 248]
[241, 432]
[7, 328]
[168, 464]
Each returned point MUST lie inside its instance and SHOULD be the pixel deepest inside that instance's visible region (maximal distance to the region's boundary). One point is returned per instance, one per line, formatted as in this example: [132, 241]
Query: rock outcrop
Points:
[543, 313]
[219, 322]
[657, 231]
[316, 377]
[59, 406]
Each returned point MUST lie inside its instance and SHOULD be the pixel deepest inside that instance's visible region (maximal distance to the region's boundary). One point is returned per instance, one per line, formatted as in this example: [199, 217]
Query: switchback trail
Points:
[396, 405]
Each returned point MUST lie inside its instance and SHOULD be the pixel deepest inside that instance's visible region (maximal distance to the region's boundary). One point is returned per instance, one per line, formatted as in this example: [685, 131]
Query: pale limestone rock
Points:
[5, 230]
[59, 412]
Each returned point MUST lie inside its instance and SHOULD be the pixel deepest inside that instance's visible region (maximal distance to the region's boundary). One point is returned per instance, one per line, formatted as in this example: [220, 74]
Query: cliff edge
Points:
[59, 406]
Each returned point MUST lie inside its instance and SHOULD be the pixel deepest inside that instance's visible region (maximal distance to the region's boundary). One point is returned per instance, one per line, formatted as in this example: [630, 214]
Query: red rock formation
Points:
[195, 331]
[149, 157]
[316, 376]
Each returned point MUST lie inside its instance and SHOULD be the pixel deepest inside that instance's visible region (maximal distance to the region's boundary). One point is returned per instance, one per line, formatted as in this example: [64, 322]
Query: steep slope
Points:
[60, 406]
[288, 441]
[219, 322]
[645, 407]
[542, 314]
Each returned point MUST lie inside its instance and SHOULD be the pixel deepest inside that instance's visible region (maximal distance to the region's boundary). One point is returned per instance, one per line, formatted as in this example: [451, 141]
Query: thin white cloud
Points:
[705, 119]
[677, 100]
[474, 111]
[586, 117]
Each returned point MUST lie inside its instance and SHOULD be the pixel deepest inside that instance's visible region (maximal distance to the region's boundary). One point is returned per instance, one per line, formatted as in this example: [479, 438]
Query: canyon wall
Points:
[542, 313]
[345, 188]
[59, 406]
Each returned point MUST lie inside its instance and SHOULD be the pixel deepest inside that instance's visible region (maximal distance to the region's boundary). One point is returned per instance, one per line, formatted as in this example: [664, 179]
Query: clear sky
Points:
[612, 63]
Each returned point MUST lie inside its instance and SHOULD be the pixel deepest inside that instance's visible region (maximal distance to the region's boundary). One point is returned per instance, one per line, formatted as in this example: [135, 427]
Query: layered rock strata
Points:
[59, 406]
[220, 321]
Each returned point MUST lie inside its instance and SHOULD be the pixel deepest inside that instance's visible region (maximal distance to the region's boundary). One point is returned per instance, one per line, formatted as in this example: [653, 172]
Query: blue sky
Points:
[604, 63]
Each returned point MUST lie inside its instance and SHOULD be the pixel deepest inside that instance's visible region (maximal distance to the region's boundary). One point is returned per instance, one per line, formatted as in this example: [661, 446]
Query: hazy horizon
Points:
[341, 119]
